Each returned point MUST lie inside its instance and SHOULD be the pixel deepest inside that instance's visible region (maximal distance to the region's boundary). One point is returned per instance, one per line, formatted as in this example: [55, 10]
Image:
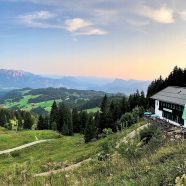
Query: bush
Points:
[107, 148]
[106, 132]
[8, 126]
[129, 150]
[149, 132]
[15, 154]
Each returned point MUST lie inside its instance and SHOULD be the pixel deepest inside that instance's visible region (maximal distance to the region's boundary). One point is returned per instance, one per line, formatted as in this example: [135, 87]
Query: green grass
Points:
[93, 110]
[46, 105]
[158, 163]
[66, 149]
[10, 139]
[23, 103]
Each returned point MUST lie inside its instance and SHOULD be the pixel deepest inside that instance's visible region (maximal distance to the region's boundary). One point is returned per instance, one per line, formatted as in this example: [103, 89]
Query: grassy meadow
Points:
[64, 150]
[158, 162]
[93, 110]
[24, 104]
[11, 139]
[41, 100]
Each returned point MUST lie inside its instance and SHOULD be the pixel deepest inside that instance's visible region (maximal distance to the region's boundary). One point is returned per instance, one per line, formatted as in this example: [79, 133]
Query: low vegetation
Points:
[50, 155]
[11, 139]
[158, 161]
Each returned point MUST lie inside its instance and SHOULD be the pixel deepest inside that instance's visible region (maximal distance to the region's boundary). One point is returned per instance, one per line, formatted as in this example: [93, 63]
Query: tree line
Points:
[114, 114]
[16, 119]
[176, 78]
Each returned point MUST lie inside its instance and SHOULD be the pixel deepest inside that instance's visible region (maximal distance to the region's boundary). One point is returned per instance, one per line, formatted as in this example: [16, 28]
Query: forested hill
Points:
[176, 78]
[40, 100]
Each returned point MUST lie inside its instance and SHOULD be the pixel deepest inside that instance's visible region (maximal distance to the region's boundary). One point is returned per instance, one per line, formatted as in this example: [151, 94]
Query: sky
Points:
[129, 39]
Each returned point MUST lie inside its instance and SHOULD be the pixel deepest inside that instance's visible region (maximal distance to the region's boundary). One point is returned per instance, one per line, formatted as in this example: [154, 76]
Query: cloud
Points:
[75, 24]
[183, 15]
[37, 19]
[80, 26]
[92, 31]
[46, 20]
[162, 15]
[40, 15]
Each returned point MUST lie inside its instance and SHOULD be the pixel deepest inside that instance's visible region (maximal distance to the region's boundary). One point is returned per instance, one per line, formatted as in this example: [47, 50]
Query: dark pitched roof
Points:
[172, 94]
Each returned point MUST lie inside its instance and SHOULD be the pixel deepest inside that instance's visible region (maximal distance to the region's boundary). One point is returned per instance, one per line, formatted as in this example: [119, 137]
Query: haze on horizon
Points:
[139, 39]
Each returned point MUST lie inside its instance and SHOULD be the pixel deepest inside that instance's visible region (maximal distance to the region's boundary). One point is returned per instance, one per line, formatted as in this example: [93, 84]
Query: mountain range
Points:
[15, 79]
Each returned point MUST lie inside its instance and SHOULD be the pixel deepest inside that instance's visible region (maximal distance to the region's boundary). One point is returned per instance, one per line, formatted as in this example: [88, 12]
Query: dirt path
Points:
[132, 135]
[23, 146]
[66, 169]
[77, 165]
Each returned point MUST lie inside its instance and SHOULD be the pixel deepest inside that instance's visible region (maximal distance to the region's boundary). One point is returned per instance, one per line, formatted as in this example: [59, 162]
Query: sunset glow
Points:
[106, 38]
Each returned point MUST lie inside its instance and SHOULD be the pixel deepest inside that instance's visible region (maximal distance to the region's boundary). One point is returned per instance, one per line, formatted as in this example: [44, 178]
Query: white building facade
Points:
[169, 105]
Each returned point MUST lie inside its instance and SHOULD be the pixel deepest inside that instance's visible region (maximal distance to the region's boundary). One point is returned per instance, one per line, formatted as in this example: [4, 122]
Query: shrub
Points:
[107, 148]
[8, 126]
[15, 154]
[129, 150]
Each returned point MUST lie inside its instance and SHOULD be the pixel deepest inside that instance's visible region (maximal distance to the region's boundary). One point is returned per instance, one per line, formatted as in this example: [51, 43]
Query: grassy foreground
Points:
[47, 156]
[158, 162]
[10, 139]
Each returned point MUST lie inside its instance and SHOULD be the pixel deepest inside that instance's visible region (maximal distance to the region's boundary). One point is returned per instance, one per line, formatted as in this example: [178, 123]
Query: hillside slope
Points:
[156, 162]
[40, 100]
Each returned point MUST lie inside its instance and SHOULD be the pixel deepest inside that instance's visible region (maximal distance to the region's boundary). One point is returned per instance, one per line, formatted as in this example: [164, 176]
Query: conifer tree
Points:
[123, 105]
[61, 117]
[90, 130]
[28, 122]
[76, 120]
[83, 121]
[70, 123]
[54, 115]
[104, 104]
[104, 112]
[40, 124]
[65, 125]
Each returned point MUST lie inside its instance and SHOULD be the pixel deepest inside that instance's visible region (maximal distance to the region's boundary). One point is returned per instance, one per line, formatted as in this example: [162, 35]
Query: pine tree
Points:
[28, 122]
[54, 115]
[46, 122]
[143, 100]
[3, 118]
[65, 129]
[76, 120]
[104, 112]
[123, 105]
[97, 119]
[83, 121]
[40, 124]
[90, 130]
[65, 125]
[61, 117]
[70, 123]
[104, 104]
[19, 119]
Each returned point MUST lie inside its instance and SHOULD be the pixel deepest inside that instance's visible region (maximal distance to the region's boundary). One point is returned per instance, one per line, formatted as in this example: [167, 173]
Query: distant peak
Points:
[13, 73]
